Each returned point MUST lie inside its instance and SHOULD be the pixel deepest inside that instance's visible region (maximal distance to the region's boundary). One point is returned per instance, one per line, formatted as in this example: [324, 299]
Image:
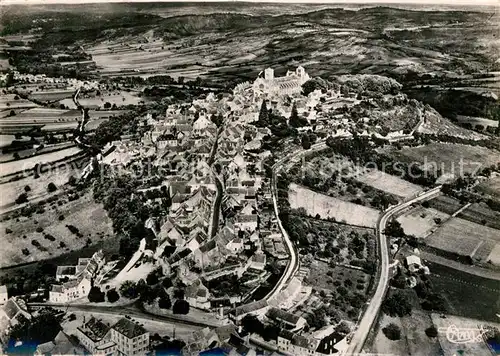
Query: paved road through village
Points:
[370, 315]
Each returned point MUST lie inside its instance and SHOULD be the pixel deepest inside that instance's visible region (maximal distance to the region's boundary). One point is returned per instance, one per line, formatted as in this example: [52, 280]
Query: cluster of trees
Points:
[96, 295]
[112, 129]
[392, 332]
[398, 304]
[295, 120]
[125, 209]
[360, 149]
[275, 122]
[41, 328]
[375, 197]
[42, 62]
[430, 300]
[453, 102]
[318, 83]
[254, 326]
[368, 85]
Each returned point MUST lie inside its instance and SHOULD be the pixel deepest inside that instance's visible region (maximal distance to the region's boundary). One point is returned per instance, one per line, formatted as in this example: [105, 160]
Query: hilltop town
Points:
[289, 213]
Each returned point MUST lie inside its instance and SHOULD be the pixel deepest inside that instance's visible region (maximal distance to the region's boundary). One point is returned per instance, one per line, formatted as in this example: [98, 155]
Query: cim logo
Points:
[463, 335]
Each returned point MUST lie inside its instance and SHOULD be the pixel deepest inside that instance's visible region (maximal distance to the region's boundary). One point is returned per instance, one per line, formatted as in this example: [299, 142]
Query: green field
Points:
[465, 294]
[449, 158]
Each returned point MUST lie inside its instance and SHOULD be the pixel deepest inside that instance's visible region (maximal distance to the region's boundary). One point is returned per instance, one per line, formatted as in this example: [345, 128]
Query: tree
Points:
[107, 105]
[306, 142]
[252, 324]
[51, 187]
[128, 290]
[167, 282]
[39, 329]
[27, 188]
[397, 304]
[95, 295]
[112, 295]
[431, 331]
[343, 328]
[394, 229]
[179, 293]
[22, 198]
[12, 113]
[434, 302]
[263, 115]
[152, 278]
[295, 120]
[72, 180]
[180, 307]
[164, 302]
[392, 331]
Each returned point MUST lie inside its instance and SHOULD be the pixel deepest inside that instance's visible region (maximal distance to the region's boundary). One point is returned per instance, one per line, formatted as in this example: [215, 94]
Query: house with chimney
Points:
[94, 335]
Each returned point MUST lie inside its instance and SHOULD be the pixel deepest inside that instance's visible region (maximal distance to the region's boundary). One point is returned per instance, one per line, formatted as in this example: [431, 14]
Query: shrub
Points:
[95, 295]
[51, 187]
[72, 317]
[25, 251]
[8, 231]
[72, 180]
[49, 237]
[167, 283]
[431, 331]
[152, 278]
[62, 244]
[39, 229]
[180, 307]
[73, 229]
[22, 198]
[112, 295]
[397, 304]
[129, 290]
[164, 302]
[61, 217]
[392, 331]
[27, 188]
[35, 243]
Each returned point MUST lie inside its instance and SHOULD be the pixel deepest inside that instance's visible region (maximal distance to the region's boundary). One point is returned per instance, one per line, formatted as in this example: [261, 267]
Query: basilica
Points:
[290, 84]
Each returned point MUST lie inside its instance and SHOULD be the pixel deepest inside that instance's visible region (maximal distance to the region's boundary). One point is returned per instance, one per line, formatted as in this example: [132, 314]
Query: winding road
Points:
[364, 326]
[359, 337]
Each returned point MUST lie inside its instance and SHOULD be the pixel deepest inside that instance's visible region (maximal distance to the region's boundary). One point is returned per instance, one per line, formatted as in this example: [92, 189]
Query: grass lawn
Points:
[466, 295]
[29, 163]
[445, 204]
[420, 221]
[491, 186]
[322, 276]
[465, 238]
[7, 102]
[90, 219]
[330, 207]
[9, 191]
[382, 345]
[482, 214]
[450, 158]
[390, 184]
[345, 288]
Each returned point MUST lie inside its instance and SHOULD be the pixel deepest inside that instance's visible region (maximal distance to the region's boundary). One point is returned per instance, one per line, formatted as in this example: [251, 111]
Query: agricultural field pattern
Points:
[250, 178]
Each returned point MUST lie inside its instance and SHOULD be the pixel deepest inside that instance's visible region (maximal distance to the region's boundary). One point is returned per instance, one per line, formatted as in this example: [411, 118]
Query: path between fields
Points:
[477, 271]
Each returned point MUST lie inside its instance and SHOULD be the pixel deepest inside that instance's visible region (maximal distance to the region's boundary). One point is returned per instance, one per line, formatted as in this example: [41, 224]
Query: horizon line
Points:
[457, 3]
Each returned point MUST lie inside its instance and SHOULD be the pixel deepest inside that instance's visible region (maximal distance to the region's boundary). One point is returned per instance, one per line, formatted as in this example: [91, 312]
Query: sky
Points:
[448, 2]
